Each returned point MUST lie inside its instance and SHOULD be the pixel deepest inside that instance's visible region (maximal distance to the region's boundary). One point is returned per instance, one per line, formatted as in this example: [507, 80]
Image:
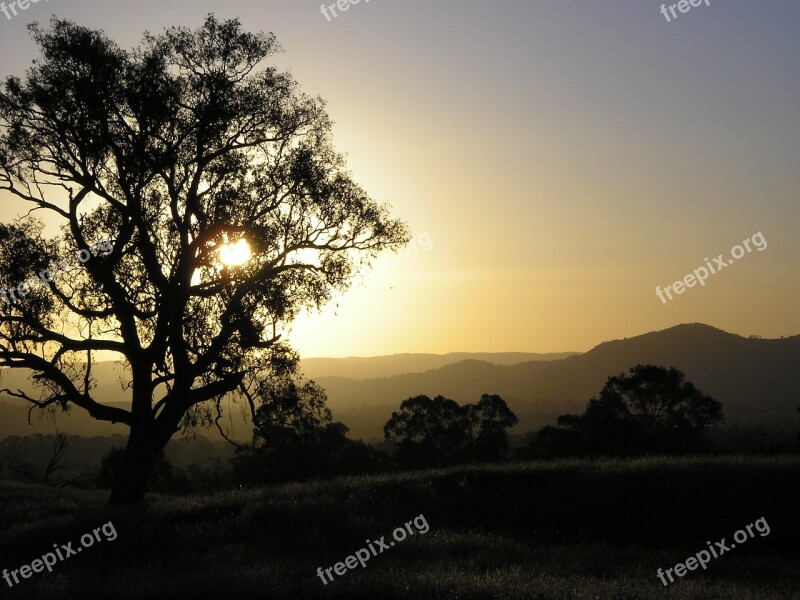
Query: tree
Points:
[52, 450]
[288, 456]
[167, 157]
[489, 419]
[653, 409]
[300, 408]
[295, 438]
[428, 432]
[440, 431]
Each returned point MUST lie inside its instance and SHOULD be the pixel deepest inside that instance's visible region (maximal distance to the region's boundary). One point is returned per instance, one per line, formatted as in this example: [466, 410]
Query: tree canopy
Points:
[652, 409]
[171, 152]
[440, 431]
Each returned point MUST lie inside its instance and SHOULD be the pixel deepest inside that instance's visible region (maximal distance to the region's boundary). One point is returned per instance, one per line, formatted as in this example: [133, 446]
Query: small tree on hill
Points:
[652, 409]
[295, 438]
[428, 432]
[440, 431]
[489, 419]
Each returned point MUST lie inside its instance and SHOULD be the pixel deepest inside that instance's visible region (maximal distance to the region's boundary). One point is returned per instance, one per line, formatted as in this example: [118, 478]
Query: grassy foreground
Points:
[566, 529]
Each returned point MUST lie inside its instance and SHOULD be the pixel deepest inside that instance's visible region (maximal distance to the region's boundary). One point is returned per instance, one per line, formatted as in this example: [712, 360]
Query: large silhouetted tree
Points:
[170, 152]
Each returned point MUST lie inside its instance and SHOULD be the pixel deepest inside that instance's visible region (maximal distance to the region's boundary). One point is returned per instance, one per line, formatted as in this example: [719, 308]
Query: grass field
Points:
[567, 529]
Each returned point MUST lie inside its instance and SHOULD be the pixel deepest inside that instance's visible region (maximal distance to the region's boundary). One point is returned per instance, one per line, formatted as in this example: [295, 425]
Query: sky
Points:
[557, 161]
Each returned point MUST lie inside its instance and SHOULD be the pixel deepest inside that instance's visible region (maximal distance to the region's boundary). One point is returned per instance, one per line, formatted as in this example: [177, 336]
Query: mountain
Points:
[757, 380]
[398, 364]
[14, 416]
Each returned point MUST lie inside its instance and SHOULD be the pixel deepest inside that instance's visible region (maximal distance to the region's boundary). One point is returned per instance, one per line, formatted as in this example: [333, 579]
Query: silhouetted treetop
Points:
[440, 431]
[171, 152]
[652, 409]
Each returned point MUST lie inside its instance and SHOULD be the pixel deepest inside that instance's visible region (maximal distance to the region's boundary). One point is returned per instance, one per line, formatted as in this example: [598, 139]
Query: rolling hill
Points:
[757, 381]
[398, 364]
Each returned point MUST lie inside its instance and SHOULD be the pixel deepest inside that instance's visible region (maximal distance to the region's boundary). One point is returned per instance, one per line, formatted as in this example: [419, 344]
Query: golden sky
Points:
[556, 160]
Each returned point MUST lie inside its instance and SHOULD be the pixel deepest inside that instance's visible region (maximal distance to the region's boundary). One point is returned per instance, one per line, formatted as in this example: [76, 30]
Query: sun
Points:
[235, 254]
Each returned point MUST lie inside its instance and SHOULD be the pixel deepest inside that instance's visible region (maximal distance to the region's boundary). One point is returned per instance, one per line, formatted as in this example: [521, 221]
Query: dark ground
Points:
[566, 529]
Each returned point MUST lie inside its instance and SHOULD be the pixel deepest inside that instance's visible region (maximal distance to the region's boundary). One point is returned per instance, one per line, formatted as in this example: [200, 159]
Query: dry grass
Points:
[568, 529]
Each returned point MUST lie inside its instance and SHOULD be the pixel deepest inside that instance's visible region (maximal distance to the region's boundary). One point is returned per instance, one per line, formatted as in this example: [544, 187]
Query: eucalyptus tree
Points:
[212, 181]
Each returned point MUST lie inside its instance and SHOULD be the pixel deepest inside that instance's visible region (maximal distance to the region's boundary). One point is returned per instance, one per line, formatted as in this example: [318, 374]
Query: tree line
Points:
[649, 410]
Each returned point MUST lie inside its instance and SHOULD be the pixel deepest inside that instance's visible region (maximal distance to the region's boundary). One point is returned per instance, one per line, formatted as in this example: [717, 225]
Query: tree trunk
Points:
[130, 480]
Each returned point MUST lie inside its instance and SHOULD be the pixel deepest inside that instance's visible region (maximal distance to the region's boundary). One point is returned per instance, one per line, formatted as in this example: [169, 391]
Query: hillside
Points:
[565, 529]
[398, 364]
[757, 381]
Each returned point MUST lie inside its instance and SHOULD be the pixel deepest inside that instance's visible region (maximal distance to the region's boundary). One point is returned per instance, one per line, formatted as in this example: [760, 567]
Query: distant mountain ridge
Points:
[357, 367]
[757, 381]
